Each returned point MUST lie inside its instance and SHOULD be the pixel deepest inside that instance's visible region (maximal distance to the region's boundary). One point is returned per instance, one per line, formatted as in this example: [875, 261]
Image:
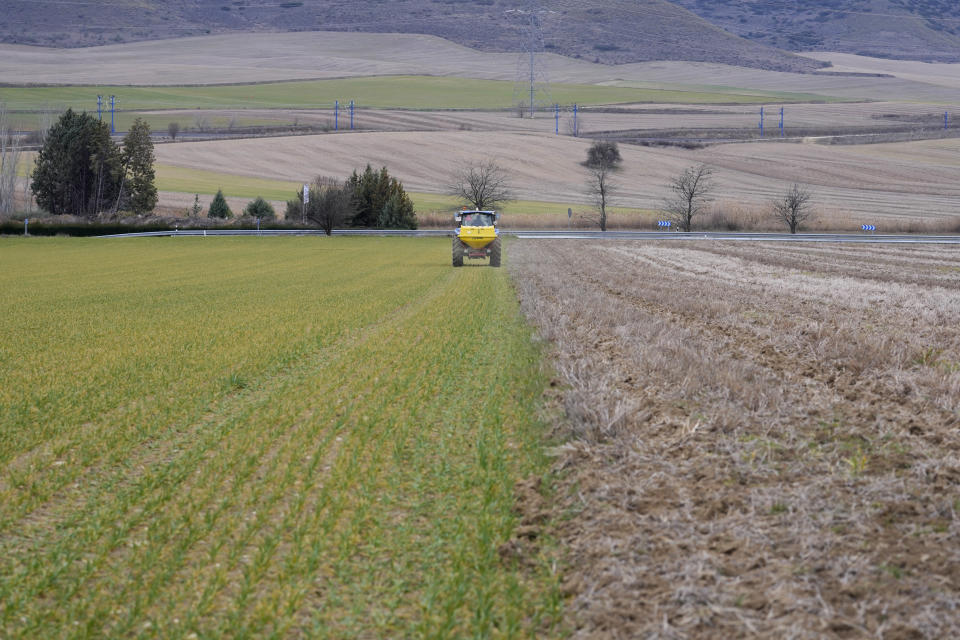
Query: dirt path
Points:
[763, 439]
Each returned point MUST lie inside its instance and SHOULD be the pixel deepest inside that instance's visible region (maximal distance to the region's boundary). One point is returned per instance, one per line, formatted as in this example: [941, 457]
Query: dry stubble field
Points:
[763, 438]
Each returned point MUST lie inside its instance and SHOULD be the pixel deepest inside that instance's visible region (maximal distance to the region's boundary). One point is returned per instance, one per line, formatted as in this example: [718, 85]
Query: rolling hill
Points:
[607, 31]
[926, 30]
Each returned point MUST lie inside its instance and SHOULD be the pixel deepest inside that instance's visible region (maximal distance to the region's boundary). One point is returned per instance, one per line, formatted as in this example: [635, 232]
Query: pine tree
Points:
[371, 192]
[398, 212]
[260, 208]
[141, 192]
[196, 209]
[219, 207]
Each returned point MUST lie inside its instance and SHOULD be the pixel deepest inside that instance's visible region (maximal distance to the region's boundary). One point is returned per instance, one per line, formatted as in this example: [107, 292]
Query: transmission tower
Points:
[532, 86]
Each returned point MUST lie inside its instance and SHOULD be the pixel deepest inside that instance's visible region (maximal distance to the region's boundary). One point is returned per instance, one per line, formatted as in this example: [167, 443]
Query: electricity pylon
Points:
[532, 86]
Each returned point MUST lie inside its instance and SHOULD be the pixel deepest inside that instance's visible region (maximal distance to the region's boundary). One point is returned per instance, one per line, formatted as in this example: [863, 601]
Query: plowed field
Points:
[763, 439]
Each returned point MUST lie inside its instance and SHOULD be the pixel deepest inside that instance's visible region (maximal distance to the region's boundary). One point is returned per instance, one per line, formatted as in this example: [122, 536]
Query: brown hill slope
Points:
[910, 29]
[609, 31]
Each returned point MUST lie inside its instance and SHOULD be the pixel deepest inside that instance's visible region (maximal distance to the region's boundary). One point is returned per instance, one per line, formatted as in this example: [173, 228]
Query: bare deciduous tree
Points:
[9, 162]
[173, 129]
[690, 192]
[481, 185]
[330, 204]
[793, 208]
[603, 160]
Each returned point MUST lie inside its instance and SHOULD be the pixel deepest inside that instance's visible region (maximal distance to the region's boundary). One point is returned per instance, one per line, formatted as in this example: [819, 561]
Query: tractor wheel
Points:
[495, 253]
[457, 253]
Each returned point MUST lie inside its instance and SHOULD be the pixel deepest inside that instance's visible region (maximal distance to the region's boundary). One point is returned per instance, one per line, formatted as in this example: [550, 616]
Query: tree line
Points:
[690, 192]
[81, 171]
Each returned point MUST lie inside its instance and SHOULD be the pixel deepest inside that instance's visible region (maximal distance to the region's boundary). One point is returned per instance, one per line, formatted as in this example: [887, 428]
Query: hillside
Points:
[910, 29]
[612, 31]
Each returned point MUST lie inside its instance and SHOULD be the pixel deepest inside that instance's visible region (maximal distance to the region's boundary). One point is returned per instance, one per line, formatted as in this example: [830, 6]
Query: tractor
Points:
[476, 237]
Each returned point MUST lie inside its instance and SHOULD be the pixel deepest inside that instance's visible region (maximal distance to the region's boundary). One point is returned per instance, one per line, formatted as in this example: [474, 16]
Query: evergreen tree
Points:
[398, 213]
[140, 191]
[219, 207]
[371, 192]
[260, 208]
[79, 168]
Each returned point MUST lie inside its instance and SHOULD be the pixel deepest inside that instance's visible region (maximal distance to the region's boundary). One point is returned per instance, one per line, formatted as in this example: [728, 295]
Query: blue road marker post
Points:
[351, 115]
[336, 115]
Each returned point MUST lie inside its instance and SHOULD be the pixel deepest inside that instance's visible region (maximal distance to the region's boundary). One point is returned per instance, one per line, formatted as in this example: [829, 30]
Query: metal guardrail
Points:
[279, 232]
[567, 235]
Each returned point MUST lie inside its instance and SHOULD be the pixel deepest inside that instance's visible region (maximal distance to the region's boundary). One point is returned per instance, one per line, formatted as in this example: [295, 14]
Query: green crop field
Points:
[413, 92]
[184, 180]
[263, 437]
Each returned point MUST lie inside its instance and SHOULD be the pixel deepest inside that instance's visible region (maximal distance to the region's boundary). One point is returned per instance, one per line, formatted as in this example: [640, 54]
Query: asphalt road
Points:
[587, 235]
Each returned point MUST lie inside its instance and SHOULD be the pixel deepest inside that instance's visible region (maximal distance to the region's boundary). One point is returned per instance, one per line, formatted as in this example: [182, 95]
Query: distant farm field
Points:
[852, 185]
[239, 437]
[413, 92]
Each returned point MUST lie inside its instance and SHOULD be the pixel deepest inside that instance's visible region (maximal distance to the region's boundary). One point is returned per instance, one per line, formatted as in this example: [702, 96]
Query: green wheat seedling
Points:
[243, 437]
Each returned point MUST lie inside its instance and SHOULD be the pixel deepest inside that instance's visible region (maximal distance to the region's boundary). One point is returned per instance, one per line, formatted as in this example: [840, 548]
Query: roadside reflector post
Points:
[26, 224]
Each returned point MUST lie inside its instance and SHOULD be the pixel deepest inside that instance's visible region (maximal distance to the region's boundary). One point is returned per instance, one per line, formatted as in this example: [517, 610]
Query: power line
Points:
[532, 76]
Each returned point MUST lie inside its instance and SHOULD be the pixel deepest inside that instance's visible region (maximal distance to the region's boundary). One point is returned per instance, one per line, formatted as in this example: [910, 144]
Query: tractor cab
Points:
[476, 237]
[477, 218]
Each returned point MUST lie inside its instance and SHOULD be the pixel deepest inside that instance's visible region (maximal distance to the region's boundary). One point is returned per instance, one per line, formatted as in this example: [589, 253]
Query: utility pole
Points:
[336, 115]
[761, 122]
[351, 115]
[781, 122]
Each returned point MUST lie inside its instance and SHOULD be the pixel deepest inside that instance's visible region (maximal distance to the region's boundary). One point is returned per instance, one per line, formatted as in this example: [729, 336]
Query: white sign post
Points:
[306, 201]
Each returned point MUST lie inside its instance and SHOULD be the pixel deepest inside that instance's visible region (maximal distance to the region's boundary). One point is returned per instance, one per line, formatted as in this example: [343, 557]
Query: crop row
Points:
[264, 437]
